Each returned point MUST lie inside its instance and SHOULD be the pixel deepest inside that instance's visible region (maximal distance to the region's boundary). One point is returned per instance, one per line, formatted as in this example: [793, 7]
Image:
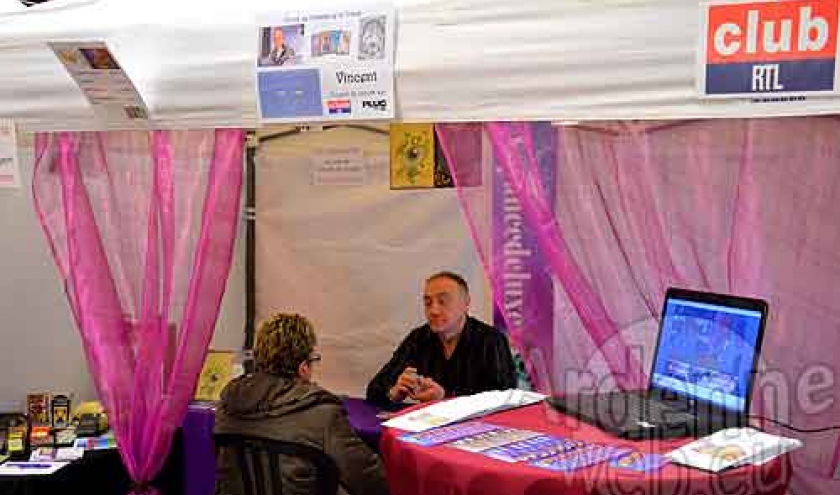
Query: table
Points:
[98, 473]
[362, 416]
[440, 470]
[199, 453]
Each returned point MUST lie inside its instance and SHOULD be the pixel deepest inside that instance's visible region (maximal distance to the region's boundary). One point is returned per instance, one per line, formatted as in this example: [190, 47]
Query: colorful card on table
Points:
[532, 449]
[57, 454]
[103, 442]
[585, 456]
[492, 439]
[447, 434]
[41, 435]
[16, 438]
[636, 461]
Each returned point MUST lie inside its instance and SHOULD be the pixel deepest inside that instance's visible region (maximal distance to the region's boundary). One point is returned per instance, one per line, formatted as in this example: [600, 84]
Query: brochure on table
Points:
[463, 408]
[30, 468]
[514, 445]
[732, 447]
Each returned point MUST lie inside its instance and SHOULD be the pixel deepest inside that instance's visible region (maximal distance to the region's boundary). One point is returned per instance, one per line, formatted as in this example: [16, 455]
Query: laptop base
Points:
[634, 416]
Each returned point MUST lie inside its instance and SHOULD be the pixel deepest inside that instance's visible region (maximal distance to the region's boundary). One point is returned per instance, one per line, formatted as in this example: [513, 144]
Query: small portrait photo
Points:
[372, 38]
[99, 58]
[72, 58]
[332, 42]
[281, 45]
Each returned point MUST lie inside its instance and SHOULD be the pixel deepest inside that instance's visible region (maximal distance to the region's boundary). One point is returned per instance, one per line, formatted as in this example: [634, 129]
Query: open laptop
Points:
[702, 377]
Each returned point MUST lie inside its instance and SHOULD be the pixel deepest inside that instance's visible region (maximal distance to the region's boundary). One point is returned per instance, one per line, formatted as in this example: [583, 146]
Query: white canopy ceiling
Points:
[193, 60]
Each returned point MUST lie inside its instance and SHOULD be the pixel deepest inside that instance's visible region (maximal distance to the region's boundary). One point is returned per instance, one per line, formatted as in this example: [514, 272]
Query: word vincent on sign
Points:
[344, 77]
[770, 47]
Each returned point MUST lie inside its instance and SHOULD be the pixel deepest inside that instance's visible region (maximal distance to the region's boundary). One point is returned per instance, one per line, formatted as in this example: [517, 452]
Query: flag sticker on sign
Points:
[760, 48]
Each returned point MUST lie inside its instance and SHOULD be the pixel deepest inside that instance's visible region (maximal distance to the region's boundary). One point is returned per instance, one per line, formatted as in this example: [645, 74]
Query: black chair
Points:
[253, 454]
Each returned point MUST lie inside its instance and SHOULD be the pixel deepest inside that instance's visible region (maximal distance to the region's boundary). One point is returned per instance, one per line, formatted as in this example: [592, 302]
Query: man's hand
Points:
[428, 390]
[407, 382]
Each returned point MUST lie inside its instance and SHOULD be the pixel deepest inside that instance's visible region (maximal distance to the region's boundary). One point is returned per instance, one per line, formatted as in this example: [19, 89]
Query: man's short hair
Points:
[283, 342]
[453, 277]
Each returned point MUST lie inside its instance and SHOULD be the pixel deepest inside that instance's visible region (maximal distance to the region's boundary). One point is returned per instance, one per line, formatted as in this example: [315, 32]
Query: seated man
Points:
[281, 402]
[453, 354]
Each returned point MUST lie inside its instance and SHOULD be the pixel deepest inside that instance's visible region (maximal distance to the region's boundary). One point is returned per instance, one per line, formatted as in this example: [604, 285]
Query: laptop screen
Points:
[707, 351]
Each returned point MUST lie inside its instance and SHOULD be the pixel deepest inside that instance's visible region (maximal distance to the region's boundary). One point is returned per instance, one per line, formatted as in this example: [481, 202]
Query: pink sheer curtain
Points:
[738, 206]
[513, 160]
[142, 227]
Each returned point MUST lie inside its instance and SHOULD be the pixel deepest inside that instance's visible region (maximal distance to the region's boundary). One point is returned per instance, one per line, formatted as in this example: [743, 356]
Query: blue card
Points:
[636, 461]
[290, 93]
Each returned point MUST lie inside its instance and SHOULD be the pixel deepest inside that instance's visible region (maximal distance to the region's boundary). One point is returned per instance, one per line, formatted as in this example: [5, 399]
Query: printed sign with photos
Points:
[9, 172]
[103, 81]
[326, 65]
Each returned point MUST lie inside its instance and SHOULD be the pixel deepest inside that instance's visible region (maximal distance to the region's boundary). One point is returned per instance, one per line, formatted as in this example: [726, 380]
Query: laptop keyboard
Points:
[655, 411]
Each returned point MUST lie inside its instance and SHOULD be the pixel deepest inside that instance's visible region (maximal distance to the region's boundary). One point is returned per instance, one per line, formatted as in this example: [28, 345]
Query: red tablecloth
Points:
[413, 469]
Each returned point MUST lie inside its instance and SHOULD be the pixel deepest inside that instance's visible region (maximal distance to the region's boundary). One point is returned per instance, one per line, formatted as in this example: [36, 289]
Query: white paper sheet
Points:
[462, 408]
[732, 447]
[30, 468]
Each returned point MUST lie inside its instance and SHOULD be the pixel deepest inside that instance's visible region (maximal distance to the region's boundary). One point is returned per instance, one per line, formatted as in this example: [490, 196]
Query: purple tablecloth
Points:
[362, 416]
[199, 453]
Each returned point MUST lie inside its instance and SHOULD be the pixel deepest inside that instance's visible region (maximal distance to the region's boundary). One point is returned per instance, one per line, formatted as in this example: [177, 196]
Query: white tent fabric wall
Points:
[41, 348]
[193, 61]
[8, 6]
[353, 258]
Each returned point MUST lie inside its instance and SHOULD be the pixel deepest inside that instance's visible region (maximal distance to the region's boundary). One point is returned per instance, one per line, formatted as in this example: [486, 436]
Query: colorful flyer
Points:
[532, 449]
[103, 442]
[326, 65]
[492, 439]
[103, 81]
[448, 434]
